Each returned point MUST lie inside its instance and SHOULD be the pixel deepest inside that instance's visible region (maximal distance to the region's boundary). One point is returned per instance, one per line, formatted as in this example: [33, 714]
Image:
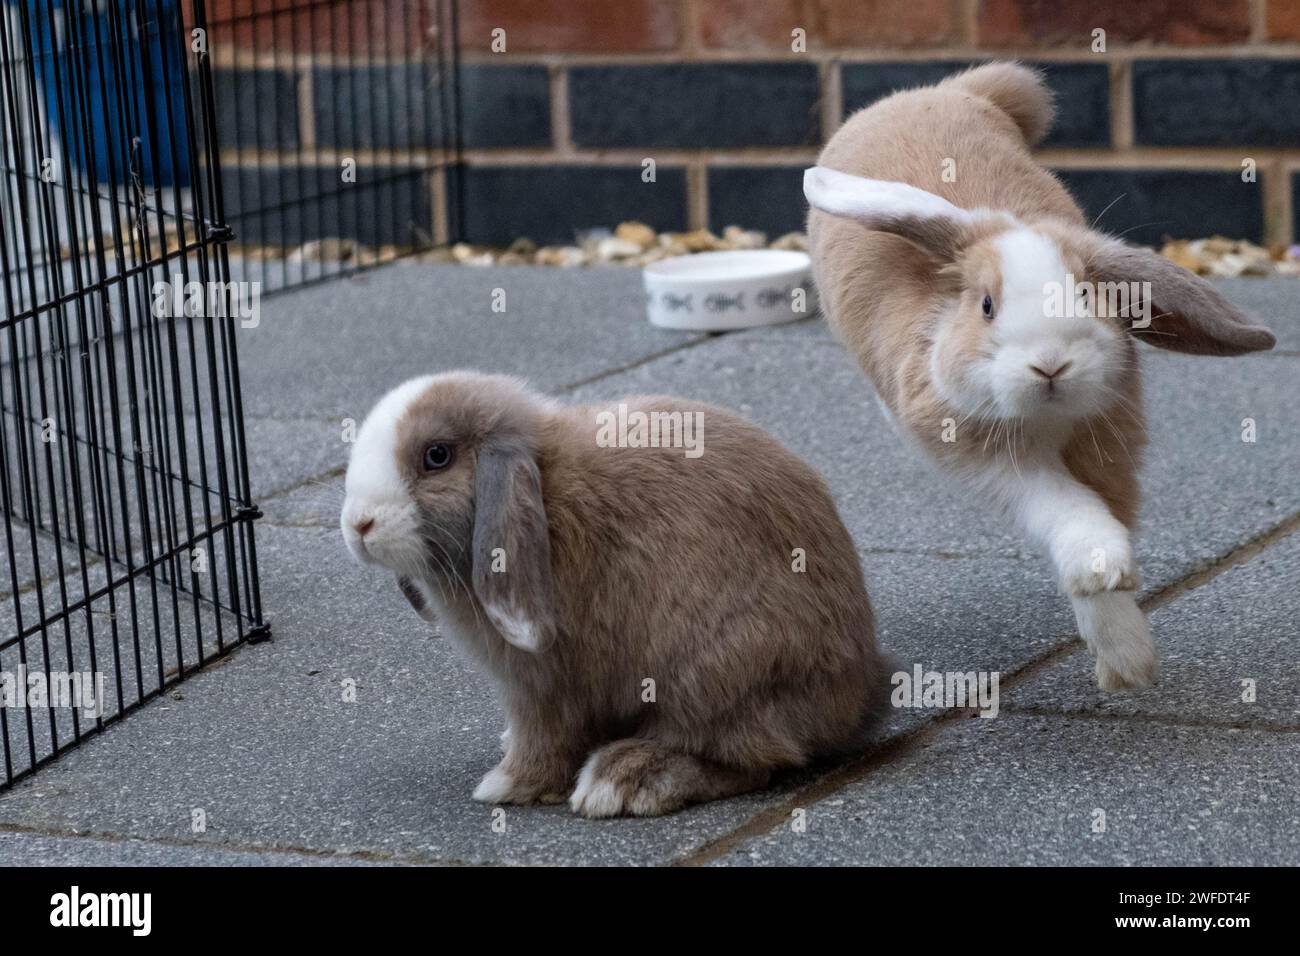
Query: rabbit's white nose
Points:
[362, 525]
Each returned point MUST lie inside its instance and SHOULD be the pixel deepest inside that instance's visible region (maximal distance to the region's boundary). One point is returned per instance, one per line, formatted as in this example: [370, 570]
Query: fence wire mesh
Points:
[339, 123]
[130, 559]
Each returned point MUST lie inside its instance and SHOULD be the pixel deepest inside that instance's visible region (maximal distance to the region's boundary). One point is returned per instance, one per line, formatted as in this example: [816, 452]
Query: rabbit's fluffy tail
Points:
[1016, 90]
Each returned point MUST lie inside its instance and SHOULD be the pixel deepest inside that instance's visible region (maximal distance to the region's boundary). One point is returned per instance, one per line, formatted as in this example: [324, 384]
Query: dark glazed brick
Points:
[1241, 102]
[865, 83]
[1183, 204]
[757, 197]
[287, 206]
[1082, 93]
[1082, 104]
[695, 105]
[256, 108]
[505, 106]
[552, 204]
[397, 106]
[365, 107]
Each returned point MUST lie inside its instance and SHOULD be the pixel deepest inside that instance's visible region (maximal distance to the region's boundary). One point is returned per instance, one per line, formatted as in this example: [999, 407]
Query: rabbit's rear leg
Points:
[644, 778]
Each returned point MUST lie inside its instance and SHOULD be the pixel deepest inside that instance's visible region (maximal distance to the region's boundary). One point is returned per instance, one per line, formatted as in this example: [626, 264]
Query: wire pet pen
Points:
[130, 559]
[339, 123]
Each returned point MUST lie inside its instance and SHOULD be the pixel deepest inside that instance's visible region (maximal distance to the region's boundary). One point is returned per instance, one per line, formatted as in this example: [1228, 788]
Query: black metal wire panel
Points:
[371, 82]
[130, 559]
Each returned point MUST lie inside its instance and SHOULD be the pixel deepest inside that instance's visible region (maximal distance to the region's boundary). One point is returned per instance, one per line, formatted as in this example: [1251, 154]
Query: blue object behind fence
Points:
[112, 101]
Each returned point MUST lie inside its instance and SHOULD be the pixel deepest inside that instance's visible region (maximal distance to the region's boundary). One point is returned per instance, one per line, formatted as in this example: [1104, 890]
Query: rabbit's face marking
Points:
[380, 520]
[443, 488]
[1022, 342]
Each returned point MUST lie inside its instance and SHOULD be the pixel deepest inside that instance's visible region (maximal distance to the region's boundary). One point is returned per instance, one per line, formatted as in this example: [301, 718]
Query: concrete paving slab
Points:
[285, 453]
[1205, 487]
[93, 663]
[29, 849]
[266, 745]
[1244, 626]
[329, 351]
[1020, 790]
[1271, 302]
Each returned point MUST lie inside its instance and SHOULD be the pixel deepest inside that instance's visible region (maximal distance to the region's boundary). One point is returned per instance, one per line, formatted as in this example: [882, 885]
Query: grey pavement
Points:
[286, 771]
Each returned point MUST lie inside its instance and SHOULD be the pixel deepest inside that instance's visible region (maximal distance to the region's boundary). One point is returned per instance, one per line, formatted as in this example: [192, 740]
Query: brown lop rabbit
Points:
[998, 329]
[578, 573]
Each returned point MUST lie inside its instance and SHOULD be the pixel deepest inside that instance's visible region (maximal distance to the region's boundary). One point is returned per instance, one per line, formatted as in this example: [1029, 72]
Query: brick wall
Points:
[304, 88]
[558, 125]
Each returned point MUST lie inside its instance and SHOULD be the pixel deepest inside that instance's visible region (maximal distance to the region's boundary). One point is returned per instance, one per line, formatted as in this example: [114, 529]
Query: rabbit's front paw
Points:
[1091, 560]
[496, 787]
[1134, 668]
[501, 786]
[1116, 631]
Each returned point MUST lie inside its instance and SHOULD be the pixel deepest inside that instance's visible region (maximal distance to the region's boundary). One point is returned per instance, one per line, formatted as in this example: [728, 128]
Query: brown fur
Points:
[1017, 92]
[903, 278]
[664, 567]
[879, 291]
[883, 294]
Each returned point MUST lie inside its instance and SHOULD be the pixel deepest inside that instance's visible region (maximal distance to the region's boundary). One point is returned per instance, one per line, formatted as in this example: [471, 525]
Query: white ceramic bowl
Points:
[737, 289]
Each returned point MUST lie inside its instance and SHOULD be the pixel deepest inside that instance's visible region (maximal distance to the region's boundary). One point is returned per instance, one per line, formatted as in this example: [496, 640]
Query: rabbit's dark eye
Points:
[987, 305]
[438, 456]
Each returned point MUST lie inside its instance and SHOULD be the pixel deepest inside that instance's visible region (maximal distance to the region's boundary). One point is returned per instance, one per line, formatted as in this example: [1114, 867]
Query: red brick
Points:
[357, 28]
[571, 25]
[221, 10]
[1284, 19]
[751, 24]
[766, 24]
[1003, 23]
[890, 23]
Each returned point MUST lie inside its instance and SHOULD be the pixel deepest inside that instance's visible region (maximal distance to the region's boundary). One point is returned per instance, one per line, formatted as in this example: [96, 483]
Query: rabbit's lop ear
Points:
[922, 218]
[512, 547]
[1175, 309]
